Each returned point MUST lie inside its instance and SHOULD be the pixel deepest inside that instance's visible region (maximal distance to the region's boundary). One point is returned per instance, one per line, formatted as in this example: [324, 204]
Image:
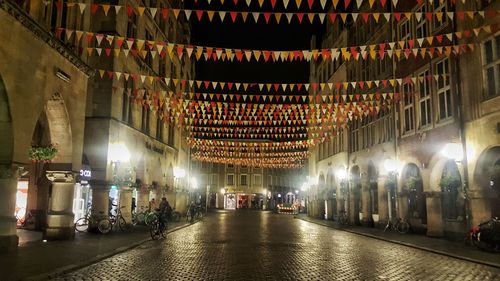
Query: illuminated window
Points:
[230, 179]
[243, 180]
[439, 13]
[421, 27]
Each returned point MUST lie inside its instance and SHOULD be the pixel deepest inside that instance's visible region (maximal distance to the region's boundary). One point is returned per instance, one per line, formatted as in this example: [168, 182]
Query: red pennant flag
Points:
[235, 2]
[428, 15]
[332, 17]
[299, 87]
[130, 10]
[267, 16]
[119, 42]
[365, 17]
[209, 52]
[382, 2]
[207, 84]
[381, 50]
[164, 13]
[397, 16]
[59, 5]
[199, 14]
[354, 52]
[93, 8]
[108, 51]
[310, 2]
[89, 37]
[466, 33]
[273, 3]
[266, 55]
[460, 15]
[300, 16]
[59, 31]
[411, 43]
[233, 15]
[346, 3]
[276, 87]
[439, 38]
[239, 55]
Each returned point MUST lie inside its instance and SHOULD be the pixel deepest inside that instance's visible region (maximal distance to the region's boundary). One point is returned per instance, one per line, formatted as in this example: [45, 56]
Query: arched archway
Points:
[6, 141]
[355, 186]
[487, 178]
[52, 128]
[414, 188]
[331, 191]
[373, 188]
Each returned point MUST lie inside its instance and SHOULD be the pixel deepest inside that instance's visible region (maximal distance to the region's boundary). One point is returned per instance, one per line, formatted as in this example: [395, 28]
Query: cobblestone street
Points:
[251, 245]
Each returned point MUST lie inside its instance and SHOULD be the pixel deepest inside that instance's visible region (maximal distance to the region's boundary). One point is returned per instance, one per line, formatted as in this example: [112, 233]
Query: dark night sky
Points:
[250, 35]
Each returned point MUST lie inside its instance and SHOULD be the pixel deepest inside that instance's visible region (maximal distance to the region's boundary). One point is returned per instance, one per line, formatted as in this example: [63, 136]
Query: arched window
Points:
[452, 199]
[416, 198]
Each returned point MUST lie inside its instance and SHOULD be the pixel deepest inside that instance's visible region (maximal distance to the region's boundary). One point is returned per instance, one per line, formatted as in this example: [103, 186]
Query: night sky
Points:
[249, 35]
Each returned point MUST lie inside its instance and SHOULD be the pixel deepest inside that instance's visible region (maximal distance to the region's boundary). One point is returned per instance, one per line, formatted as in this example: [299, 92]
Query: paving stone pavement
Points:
[253, 245]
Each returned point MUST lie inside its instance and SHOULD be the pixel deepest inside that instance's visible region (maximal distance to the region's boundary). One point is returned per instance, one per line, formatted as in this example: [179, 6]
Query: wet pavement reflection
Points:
[254, 245]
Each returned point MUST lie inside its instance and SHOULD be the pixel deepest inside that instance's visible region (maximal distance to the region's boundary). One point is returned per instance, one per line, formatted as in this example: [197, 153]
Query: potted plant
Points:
[42, 153]
[449, 181]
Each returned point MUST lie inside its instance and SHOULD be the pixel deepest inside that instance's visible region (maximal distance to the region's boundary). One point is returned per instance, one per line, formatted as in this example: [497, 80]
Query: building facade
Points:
[427, 155]
[241, 187]
[43, 86]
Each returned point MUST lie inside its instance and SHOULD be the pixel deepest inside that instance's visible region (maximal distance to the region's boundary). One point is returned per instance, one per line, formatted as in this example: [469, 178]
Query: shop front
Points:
[82, 198]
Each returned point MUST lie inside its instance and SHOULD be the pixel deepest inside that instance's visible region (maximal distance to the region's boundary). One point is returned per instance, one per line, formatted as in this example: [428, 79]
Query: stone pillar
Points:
[8, 189]
[100, 203]
[366, 209]
[434, 214]
[60, 217]
[142, 200]
[383, 202]
[125, 203]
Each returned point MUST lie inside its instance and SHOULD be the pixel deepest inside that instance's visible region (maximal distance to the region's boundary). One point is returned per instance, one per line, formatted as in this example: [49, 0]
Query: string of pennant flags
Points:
[143, 48]
[233, 16]
[245, 86]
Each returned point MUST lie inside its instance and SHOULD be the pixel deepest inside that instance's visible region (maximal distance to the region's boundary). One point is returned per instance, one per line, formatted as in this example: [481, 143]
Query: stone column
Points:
[100, 204]
[383, 202]
[142, 199]
[434, 214]
[60, 217]
[366, 207]
[125, 203]
[8, 189]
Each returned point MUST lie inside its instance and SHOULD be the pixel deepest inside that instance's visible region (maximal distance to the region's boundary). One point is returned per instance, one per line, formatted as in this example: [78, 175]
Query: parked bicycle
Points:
[397, 224]
[343, 218]
[158, 227]
[194, 214]
[119, 219]
[103, 225]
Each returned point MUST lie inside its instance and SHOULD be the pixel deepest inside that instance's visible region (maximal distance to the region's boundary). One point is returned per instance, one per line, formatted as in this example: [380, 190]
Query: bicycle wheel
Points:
[150, 218]
[163, 230]
[154, 230]
[82, 224]
[402, 227]
[122, 224]
[104, 226]
[199, 215]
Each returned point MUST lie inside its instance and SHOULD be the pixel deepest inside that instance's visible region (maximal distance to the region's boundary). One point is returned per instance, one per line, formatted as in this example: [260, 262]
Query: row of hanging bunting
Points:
[245, 86]
[425, 46]
[233, 16]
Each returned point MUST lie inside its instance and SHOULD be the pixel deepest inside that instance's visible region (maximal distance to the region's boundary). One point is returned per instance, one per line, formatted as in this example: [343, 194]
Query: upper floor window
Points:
[424, 91]
[444, 89]
[491, 67]
[243, 180]
[440, 18]
[421, 26]
[408, 109]
[230, 179]
[404, 30]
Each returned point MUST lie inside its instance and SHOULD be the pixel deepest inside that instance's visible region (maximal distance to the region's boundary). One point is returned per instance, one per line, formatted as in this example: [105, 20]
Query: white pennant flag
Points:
[395, 2]
[117, 9]
[153, 11]
[249, 2]
[255, 16]
[359, 2]
[188, 13]
[323, 3]
[82, 7]
[321, 17]
[285, 3]
[289, 17]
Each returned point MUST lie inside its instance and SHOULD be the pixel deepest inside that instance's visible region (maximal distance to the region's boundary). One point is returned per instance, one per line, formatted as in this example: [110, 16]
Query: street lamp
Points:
[179, 173]
[392, 166]
[118, 153]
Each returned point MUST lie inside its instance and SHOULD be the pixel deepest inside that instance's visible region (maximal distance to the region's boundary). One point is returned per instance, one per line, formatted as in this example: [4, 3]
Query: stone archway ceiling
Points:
[275, 125]
[60, 128]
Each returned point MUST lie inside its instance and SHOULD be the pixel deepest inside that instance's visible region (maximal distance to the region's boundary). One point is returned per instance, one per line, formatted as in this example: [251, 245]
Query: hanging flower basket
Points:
[42, 153]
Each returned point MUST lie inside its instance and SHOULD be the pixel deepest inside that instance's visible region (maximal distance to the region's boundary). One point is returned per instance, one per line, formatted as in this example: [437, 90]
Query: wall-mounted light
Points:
[62, 75]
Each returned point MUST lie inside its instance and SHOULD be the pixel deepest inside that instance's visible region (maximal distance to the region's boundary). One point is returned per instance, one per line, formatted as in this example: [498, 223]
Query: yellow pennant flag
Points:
[141, 10]
[278, 17]
[311, 17]
[335, 3]
[260, 3]
[256, 54]
[176, 12]
[244, 15]
[376, 16]
[210, 15]
[106, 9]
[297, 2]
